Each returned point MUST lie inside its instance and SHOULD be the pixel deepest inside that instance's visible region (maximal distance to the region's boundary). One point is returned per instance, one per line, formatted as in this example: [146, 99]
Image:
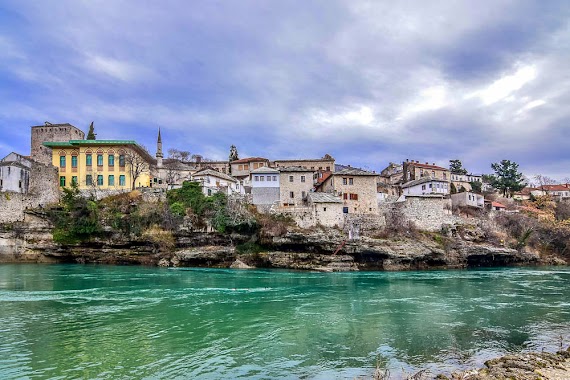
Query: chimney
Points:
[406, 160]
[433, 164]
[198, 159]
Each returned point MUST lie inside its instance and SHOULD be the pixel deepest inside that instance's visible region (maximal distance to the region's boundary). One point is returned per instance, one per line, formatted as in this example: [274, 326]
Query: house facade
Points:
[243, 167]
[413, 170]
[15, 173]
[102, 164]
[296, 183]
[213, 182]
[357, 189]
[265, 187]
[464, 180]
[468, 199]
[426, 186]
[325, 164]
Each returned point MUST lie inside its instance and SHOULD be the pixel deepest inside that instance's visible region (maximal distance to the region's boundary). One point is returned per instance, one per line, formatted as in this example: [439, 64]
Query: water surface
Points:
[110, 322]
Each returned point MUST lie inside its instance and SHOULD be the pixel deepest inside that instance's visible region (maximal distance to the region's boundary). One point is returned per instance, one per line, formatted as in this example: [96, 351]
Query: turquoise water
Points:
[112, 322]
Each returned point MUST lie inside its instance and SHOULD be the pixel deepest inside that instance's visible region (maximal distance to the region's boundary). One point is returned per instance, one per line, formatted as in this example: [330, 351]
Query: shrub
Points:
[163, 240]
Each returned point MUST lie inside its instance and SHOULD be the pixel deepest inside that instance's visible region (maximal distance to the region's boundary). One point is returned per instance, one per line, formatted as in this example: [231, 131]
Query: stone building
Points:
[468, 199]
[425, 185]
[15, 173]
[325, 164]
[213, 182]
[51, 133]
[102, 164]
[264, 187]
[413, 170]
[464, 180]
[295, 184]
[326, 208]
[243, 167]
[356, 187]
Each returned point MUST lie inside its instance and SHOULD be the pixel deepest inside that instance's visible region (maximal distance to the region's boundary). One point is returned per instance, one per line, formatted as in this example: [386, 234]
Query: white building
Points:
[213, 182]
[15, 173]
[468, 199]
[426, 186]
[264, 187]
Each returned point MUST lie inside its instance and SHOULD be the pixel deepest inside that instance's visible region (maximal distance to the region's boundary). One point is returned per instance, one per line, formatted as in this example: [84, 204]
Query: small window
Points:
[261, 178]
[345, 181]
[345, 210]
[275, 178]
[99, 180]
[89, 180]
[302, 178]
[291, 194]
[73, 161]
[351, 181]
[209, 192]
[303, 194]
[121, 180]
[62, 181]
[62, 162]
[290, 178]
[256, 178]
[268, 178]
[74, 180]
[328, 168]
[88, 159]
[99, 160]
[423, 187]
[345, 196]
[112, 180]
[324, 209]
[353, 197]
[111, 160]
[122, 160]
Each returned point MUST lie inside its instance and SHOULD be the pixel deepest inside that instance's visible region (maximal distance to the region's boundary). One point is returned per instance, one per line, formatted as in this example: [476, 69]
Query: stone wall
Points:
[44, 190]
[424, 213]
[264, 197]
[300, 189]
[51, 132]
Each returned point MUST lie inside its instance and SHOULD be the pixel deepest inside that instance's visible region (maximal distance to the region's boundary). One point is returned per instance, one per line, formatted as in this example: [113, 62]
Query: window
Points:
[100, 180]
[62, 181]
[423, 187]
[261, 178]
[444, 175]
[345, 196]
[291, 194]
[353, 197]
[275, 178]
[302, 178]
[328, 168]
[112, 180]
[88, 159]
[89, 180]
[62, 161]
[73, 161]
[121, 180]
[430, 185]
[433, 173]
[74, 180]
[269, 178]
[290, 178]
[209, 192]
[303, 194]
[111, 160]
[256, 178]
[345, 210]
[122, 160]
[345, 181]
[99, 160]
[324, 209]
[351, 181]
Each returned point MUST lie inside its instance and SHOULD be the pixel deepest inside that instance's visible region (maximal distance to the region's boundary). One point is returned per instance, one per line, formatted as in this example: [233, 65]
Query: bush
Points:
[163, 240]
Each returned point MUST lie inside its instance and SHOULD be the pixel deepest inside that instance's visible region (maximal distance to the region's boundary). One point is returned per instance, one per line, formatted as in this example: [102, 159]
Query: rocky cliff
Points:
[325, 250]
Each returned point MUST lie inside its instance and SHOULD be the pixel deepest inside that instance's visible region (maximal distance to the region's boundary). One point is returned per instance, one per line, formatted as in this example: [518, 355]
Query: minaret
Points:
[159, 154]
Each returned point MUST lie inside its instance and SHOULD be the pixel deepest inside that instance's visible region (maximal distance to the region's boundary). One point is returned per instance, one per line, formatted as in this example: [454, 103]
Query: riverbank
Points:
[525, 366]
[318, 249]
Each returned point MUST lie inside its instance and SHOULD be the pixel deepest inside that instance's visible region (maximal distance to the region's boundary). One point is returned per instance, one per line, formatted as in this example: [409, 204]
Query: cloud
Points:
[368, 82]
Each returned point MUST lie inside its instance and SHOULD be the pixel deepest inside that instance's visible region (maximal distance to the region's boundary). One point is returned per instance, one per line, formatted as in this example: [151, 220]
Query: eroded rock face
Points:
[326, 250]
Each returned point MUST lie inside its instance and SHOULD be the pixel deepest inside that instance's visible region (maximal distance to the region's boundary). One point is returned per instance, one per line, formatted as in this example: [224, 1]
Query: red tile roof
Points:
[553, 188]
[497, 204]
[249, 159]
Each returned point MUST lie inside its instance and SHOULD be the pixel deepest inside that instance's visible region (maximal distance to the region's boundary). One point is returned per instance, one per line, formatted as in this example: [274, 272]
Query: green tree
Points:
[476, 186]
[456, 167]
[507, 178]
[91, 134]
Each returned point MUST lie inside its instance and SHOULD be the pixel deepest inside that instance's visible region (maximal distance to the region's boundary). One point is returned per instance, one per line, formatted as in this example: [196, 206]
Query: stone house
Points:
[295, 184]
[54, 133]
[15, 173]
[102, 164]
[264, 187]
[424, 186]
[468, 199]
[326, 208]
[413, 170]
[390, 179]
[356, 187]
[244, 166]
[213, 182]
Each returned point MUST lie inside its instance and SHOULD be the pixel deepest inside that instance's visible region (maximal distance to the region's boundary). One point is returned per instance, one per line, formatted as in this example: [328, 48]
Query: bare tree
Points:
[181, 155]
[172, 174]
[136, 165]
[544, 182]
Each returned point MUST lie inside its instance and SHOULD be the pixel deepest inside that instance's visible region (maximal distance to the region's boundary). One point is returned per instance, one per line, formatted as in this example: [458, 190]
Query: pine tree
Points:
[91, 134]
[233, 157]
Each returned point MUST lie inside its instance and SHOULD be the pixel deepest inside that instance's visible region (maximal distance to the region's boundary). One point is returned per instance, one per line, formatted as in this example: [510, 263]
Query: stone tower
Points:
[159, 154]
[51, 132]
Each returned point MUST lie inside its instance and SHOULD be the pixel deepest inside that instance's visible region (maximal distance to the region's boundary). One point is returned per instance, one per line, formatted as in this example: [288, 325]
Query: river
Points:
[127, 322]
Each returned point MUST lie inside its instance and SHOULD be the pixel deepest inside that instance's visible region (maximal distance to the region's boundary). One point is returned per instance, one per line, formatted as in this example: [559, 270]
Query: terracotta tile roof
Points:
[497, 204]
[553, 188]
[325, 176]
[250, 159]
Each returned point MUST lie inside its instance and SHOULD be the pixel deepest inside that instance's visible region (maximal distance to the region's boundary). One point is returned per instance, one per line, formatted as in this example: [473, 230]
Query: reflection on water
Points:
[70, 321]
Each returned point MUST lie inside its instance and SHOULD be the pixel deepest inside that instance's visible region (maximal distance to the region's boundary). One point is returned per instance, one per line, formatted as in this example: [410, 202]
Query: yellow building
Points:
[105, 164]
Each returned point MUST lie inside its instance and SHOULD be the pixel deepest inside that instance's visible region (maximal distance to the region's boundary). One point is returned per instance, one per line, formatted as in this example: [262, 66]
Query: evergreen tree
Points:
[233, 157]
[456, 167]
[91, 134]
[507, 178]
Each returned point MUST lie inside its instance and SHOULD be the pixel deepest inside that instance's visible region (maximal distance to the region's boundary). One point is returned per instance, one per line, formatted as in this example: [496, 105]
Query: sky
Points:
[369, 82]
